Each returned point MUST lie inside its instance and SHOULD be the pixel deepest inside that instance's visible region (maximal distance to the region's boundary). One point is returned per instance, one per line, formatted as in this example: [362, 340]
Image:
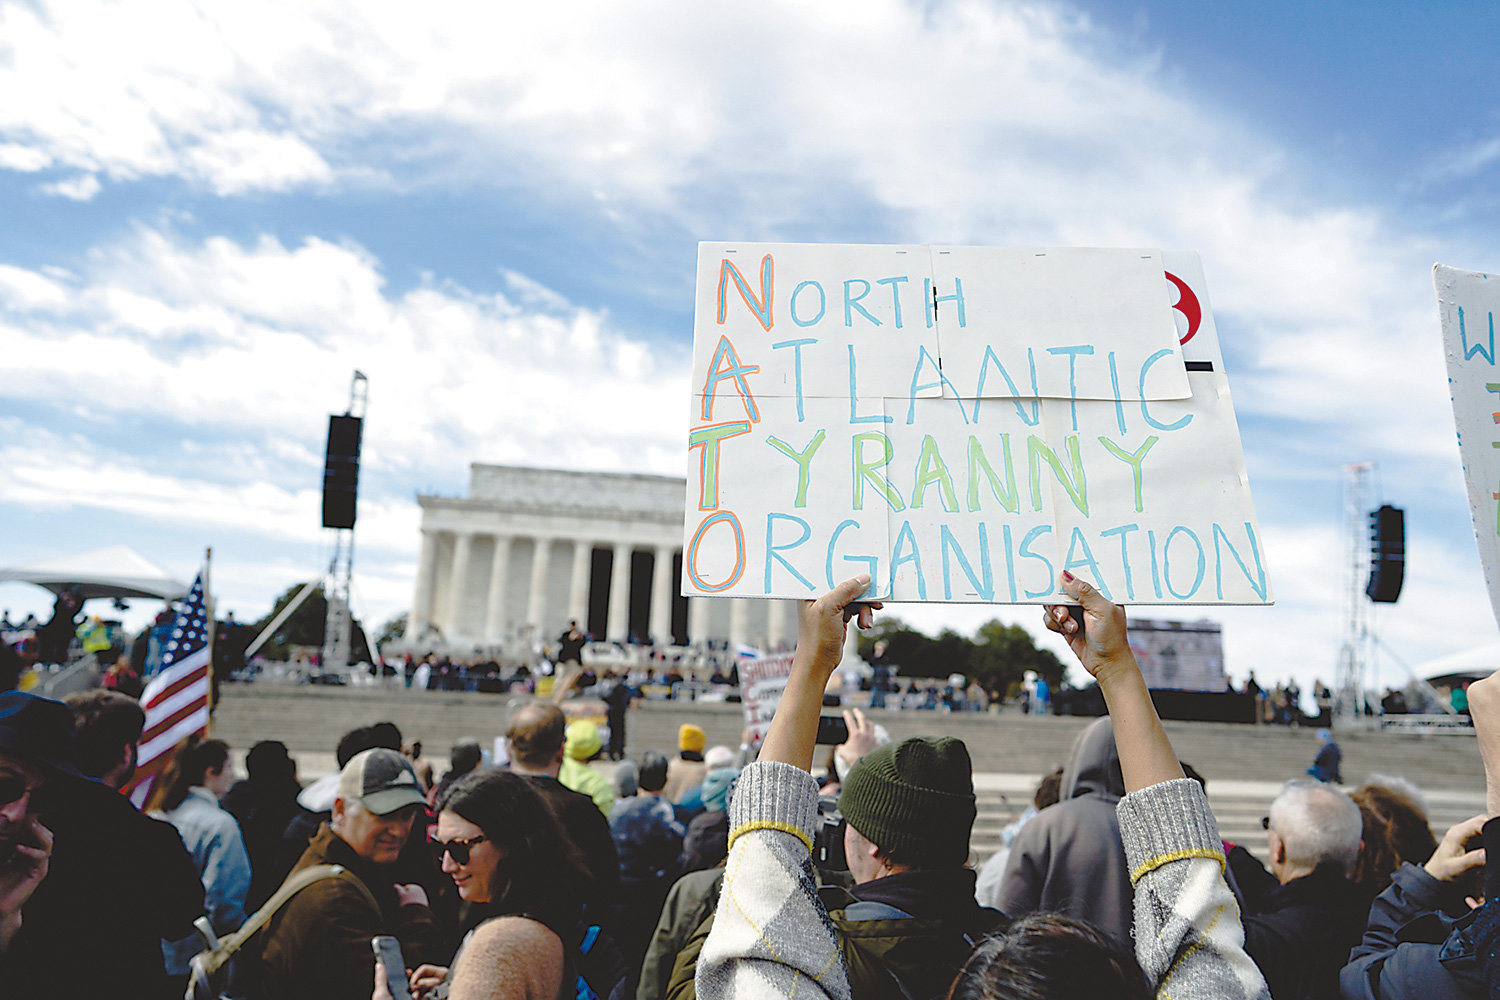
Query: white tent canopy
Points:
[1481, 661]
[117, 571]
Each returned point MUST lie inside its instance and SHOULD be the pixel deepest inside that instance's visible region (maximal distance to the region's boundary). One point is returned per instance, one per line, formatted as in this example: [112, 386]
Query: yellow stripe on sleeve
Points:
[1151, 864]
[768, 824]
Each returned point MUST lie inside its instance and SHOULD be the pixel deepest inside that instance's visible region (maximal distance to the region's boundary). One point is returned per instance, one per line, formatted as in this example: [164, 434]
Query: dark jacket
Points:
[648, 839]
[318, 946]
[118, 882]
[1069, 858]
[1411, 947]
[263, 813]
[587, 828]
[1421, 941]
[1300, 933]
[891, 957]
[903, 937]
[691, 900]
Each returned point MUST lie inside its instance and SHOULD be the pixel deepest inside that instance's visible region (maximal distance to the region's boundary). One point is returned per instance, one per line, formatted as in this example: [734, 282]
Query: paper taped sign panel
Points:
[944, 491]
[1063, 322]
[1468, 302]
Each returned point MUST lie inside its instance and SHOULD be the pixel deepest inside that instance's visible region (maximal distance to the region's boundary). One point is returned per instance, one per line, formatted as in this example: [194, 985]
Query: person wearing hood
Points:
[1070, 859]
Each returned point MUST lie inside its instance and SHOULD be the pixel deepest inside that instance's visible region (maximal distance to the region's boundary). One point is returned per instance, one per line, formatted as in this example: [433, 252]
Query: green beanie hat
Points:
[914, 798]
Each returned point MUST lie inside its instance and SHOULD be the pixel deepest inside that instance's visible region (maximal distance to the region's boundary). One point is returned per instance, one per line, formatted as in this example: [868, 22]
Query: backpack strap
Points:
[209, 962]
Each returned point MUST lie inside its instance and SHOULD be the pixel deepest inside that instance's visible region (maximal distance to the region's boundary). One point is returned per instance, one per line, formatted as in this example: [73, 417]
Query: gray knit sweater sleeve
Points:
[1188, 935]
[771, 936]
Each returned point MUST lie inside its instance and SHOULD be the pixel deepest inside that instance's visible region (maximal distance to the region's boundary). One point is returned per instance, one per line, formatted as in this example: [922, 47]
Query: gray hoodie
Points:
[1069, 858]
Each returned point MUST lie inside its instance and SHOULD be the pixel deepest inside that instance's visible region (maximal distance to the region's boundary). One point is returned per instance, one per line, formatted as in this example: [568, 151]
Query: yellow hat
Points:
[582, 740]
[691, 737]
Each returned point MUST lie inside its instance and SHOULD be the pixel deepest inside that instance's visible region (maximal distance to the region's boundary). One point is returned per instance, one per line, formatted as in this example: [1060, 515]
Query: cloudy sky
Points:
[213, 213]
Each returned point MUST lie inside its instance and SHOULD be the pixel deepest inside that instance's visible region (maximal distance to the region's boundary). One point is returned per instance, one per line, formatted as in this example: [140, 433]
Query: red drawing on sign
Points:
[1187, 304]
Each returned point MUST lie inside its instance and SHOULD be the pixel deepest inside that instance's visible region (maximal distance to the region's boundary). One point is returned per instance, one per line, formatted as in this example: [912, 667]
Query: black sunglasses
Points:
[13, 787]
[458, 850]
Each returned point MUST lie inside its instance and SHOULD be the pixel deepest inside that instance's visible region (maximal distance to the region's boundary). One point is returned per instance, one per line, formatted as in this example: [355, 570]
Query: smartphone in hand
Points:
[832, 730]
[388, 953]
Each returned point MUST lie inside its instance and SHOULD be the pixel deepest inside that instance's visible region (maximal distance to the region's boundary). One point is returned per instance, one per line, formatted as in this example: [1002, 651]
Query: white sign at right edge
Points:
[1467, 304]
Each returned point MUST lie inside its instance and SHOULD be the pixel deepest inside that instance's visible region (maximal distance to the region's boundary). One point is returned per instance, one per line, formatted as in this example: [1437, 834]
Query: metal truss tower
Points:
[1355, 655]
[338, 625]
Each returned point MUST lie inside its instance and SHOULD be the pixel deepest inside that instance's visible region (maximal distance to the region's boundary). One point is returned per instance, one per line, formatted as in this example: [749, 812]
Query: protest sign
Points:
[1467, 304]
[962, 423]
[762, 680]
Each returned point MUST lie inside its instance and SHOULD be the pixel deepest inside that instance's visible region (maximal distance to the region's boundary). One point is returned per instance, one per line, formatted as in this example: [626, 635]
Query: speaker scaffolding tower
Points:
[1356, 654]
[337, 625]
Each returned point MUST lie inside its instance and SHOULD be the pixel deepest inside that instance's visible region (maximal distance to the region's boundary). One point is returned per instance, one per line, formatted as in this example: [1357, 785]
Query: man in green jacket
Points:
[318, 946]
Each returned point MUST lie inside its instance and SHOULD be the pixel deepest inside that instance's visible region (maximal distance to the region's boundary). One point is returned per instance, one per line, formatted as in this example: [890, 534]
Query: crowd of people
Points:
[560, 867]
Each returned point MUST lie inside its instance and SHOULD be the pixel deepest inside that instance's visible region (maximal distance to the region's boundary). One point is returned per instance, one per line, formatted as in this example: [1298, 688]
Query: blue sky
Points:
[213, 214]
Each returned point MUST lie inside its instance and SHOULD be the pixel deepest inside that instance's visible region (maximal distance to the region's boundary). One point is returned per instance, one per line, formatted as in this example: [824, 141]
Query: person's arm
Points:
[1382, 966]
[821, 626]
[771, 937]
[1146, 755]
[1188, 936]
[226, 878]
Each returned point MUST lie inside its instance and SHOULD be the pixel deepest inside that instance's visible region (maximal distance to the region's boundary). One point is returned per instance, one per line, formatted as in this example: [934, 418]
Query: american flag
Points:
[176, 700]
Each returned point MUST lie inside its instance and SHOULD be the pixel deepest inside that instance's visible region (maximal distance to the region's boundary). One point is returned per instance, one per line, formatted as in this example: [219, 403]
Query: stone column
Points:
[618, 625]
[463, 547]
[537, 600]
[578, 587]
[661, 596]
[494, 605]
[697, 623]
[421, 602]
[775, 624]
[739, 611]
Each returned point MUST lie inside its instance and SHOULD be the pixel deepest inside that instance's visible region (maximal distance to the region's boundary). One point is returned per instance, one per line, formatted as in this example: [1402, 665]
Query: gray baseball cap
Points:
[382, 781]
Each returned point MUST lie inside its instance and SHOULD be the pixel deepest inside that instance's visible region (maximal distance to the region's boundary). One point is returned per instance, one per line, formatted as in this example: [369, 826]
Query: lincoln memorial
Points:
[528, 550]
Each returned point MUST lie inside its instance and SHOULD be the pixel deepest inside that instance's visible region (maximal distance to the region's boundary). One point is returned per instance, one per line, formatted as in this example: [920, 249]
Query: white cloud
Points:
[25, 159]
[82, 187]
[257, 342]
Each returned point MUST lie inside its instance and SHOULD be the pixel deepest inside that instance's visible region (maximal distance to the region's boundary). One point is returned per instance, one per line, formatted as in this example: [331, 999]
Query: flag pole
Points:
[208, 603]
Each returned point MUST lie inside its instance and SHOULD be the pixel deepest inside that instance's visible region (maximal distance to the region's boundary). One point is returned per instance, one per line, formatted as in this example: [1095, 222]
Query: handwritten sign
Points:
[762, 680]
[962, 423]
[1467, 304]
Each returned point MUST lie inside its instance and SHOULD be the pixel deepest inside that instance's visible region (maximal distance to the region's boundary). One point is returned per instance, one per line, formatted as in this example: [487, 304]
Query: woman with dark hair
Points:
[187, 795]
[519, 875]
[1043, 956]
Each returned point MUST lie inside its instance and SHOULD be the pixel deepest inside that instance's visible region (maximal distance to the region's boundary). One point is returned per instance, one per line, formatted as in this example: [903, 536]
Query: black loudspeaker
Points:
[341, 472]
[1387, 554]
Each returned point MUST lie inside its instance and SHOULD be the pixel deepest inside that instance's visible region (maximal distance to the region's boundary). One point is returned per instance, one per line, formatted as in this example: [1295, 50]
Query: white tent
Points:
[1481, 661]
[117, 571]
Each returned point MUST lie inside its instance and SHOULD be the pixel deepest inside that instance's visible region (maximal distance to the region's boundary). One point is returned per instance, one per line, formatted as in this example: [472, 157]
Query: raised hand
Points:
[1451, 860]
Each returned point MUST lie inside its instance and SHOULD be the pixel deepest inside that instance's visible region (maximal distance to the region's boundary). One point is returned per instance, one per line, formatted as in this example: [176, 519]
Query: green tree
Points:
[917, 654]
[1004, 653]
[392, 630]
[305, 627]
[998, 657]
